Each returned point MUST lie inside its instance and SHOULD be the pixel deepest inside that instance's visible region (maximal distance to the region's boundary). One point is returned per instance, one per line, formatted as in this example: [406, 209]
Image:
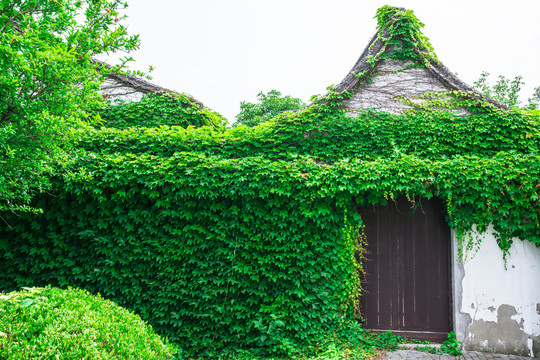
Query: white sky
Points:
[223, 52]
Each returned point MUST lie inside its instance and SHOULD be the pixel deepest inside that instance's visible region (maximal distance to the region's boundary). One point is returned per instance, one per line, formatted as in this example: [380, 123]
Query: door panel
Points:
[407, 285]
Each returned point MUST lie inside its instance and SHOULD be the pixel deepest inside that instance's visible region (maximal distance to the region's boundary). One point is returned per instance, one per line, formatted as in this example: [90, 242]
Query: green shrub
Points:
[50, 323]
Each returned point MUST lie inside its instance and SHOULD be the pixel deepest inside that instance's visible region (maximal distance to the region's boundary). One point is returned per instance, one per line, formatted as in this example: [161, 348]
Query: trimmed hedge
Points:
[47, 323]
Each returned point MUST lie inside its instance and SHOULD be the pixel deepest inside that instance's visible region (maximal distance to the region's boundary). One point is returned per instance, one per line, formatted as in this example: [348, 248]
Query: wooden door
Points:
[407, 265]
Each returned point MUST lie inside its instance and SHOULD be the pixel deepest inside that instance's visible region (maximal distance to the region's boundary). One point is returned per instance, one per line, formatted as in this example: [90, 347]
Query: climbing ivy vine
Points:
[399, 37]
[401, 30]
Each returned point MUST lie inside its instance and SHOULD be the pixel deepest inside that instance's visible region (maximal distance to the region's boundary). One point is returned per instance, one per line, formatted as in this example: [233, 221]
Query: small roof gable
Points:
[138, 83]
[399, 63]
[130, 88]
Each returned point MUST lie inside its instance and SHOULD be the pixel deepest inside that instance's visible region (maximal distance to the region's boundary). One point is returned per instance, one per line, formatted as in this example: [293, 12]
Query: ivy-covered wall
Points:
[484, 165]
[248, 240]
[214, 261]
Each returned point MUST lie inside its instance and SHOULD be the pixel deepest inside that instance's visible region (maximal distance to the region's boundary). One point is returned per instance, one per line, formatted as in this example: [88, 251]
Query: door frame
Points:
[451, 281]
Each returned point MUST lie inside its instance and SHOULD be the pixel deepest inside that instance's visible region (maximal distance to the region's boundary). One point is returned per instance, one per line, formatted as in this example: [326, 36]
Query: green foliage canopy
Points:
[270, 105]
[48, 83]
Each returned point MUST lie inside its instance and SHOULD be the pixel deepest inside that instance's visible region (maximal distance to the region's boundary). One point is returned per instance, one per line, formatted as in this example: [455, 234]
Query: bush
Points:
[46, 323]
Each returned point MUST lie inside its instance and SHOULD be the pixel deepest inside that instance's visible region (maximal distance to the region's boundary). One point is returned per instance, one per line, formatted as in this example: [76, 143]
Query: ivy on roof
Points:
[160, 108]
[400, 29]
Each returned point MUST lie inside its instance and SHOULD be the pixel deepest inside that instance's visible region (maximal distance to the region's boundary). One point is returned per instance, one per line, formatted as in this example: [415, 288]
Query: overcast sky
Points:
[223, 52]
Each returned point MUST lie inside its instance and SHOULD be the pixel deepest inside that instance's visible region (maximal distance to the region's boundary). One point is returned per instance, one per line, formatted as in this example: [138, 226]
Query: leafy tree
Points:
[507, 91]
[48, 83]
[269, 106]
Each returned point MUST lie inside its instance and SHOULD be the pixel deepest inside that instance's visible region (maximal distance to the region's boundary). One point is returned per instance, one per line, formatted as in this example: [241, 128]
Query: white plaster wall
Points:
[497, 305]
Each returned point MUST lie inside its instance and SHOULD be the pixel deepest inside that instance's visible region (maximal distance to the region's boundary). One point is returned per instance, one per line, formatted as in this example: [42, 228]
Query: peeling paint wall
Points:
[497, 309]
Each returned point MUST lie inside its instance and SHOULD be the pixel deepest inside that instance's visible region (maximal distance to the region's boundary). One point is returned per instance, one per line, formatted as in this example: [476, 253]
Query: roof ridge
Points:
[391, 41]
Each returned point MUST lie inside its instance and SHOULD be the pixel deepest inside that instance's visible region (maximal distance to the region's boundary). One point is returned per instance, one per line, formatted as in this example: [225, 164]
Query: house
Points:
[417, 284]
[201, 195]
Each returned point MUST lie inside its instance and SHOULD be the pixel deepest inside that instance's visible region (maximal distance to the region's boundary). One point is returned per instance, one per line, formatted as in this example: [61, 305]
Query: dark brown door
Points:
[407, 287]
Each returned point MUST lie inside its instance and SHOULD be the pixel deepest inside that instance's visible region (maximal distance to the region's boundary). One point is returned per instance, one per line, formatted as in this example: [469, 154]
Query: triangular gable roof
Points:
[389, 79]
[138, 83]
[131, 88]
